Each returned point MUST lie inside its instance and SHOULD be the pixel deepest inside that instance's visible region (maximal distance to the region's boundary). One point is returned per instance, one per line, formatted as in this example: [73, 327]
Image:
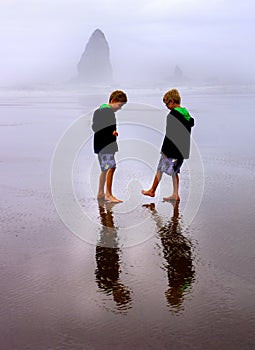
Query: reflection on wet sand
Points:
[108, 260]
[177, 251]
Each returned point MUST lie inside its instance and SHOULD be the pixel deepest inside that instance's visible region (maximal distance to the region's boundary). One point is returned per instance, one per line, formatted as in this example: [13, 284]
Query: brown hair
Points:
[172, 95]
[118, 96]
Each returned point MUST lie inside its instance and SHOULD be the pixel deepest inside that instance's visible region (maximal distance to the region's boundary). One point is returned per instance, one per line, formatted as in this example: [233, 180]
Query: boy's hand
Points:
[115, 133]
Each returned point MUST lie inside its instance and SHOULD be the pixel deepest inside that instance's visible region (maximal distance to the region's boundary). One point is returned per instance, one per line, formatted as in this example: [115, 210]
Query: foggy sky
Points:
[42, 40]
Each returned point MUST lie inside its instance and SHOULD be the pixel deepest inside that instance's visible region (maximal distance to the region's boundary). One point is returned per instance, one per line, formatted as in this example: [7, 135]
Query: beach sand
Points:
[172, 286]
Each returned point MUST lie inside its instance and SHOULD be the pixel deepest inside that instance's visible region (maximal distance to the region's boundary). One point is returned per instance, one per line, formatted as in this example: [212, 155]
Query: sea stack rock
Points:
[178, 74]
[95, 65]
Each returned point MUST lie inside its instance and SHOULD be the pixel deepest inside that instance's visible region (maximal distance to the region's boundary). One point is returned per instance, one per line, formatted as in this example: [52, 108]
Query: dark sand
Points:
[182, 288]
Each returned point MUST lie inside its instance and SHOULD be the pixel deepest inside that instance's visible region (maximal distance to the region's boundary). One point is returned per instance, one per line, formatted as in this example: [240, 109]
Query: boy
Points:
[105, 145]
[176, 144]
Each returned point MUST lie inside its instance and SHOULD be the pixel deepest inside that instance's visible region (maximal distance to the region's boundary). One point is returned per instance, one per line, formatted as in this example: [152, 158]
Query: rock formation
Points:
[178, 74]
[95, 65]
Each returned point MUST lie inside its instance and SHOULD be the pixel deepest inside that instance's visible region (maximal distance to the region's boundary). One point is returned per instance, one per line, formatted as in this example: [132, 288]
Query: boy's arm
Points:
[95, 122]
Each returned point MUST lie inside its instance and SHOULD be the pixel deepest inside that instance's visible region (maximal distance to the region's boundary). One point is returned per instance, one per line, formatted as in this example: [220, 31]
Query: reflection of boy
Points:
[105, 145]
[177, 251]
[108, 259]
[176, 144]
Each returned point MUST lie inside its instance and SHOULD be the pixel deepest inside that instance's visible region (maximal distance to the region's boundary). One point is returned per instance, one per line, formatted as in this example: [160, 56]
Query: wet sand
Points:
[180, 288]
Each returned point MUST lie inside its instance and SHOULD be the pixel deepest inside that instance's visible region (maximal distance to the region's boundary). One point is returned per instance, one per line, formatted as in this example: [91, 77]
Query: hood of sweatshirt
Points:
[104, 105]
[184, 112]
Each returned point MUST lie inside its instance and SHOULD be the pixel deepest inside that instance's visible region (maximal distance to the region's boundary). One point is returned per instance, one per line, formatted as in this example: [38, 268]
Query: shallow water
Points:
[175, 286]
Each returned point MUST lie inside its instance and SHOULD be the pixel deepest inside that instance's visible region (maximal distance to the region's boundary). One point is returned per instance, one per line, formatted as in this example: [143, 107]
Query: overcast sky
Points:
[42, 40]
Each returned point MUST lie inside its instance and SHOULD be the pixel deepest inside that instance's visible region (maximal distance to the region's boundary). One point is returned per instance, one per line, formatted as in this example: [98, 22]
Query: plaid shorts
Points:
[106, 161]
[169, 166]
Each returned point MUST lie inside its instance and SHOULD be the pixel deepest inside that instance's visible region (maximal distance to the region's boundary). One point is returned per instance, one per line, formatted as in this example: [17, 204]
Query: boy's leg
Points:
[102, 177]
[108, 194]
[152, 190]
[107, 165]
[175, 196]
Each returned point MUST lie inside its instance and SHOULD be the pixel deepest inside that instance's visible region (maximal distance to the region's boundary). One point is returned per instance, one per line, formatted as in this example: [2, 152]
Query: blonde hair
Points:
[172, 94]
[118, 96]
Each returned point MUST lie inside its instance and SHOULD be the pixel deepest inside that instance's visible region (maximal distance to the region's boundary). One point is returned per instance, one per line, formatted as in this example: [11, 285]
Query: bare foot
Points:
[112, 199]
[148, 193]
[171, 199]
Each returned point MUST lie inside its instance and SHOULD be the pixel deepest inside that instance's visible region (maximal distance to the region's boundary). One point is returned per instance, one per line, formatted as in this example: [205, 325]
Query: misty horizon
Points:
[210, 43]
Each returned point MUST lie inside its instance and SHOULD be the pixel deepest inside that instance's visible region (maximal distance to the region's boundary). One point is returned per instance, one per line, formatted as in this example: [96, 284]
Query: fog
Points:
[42, 40]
